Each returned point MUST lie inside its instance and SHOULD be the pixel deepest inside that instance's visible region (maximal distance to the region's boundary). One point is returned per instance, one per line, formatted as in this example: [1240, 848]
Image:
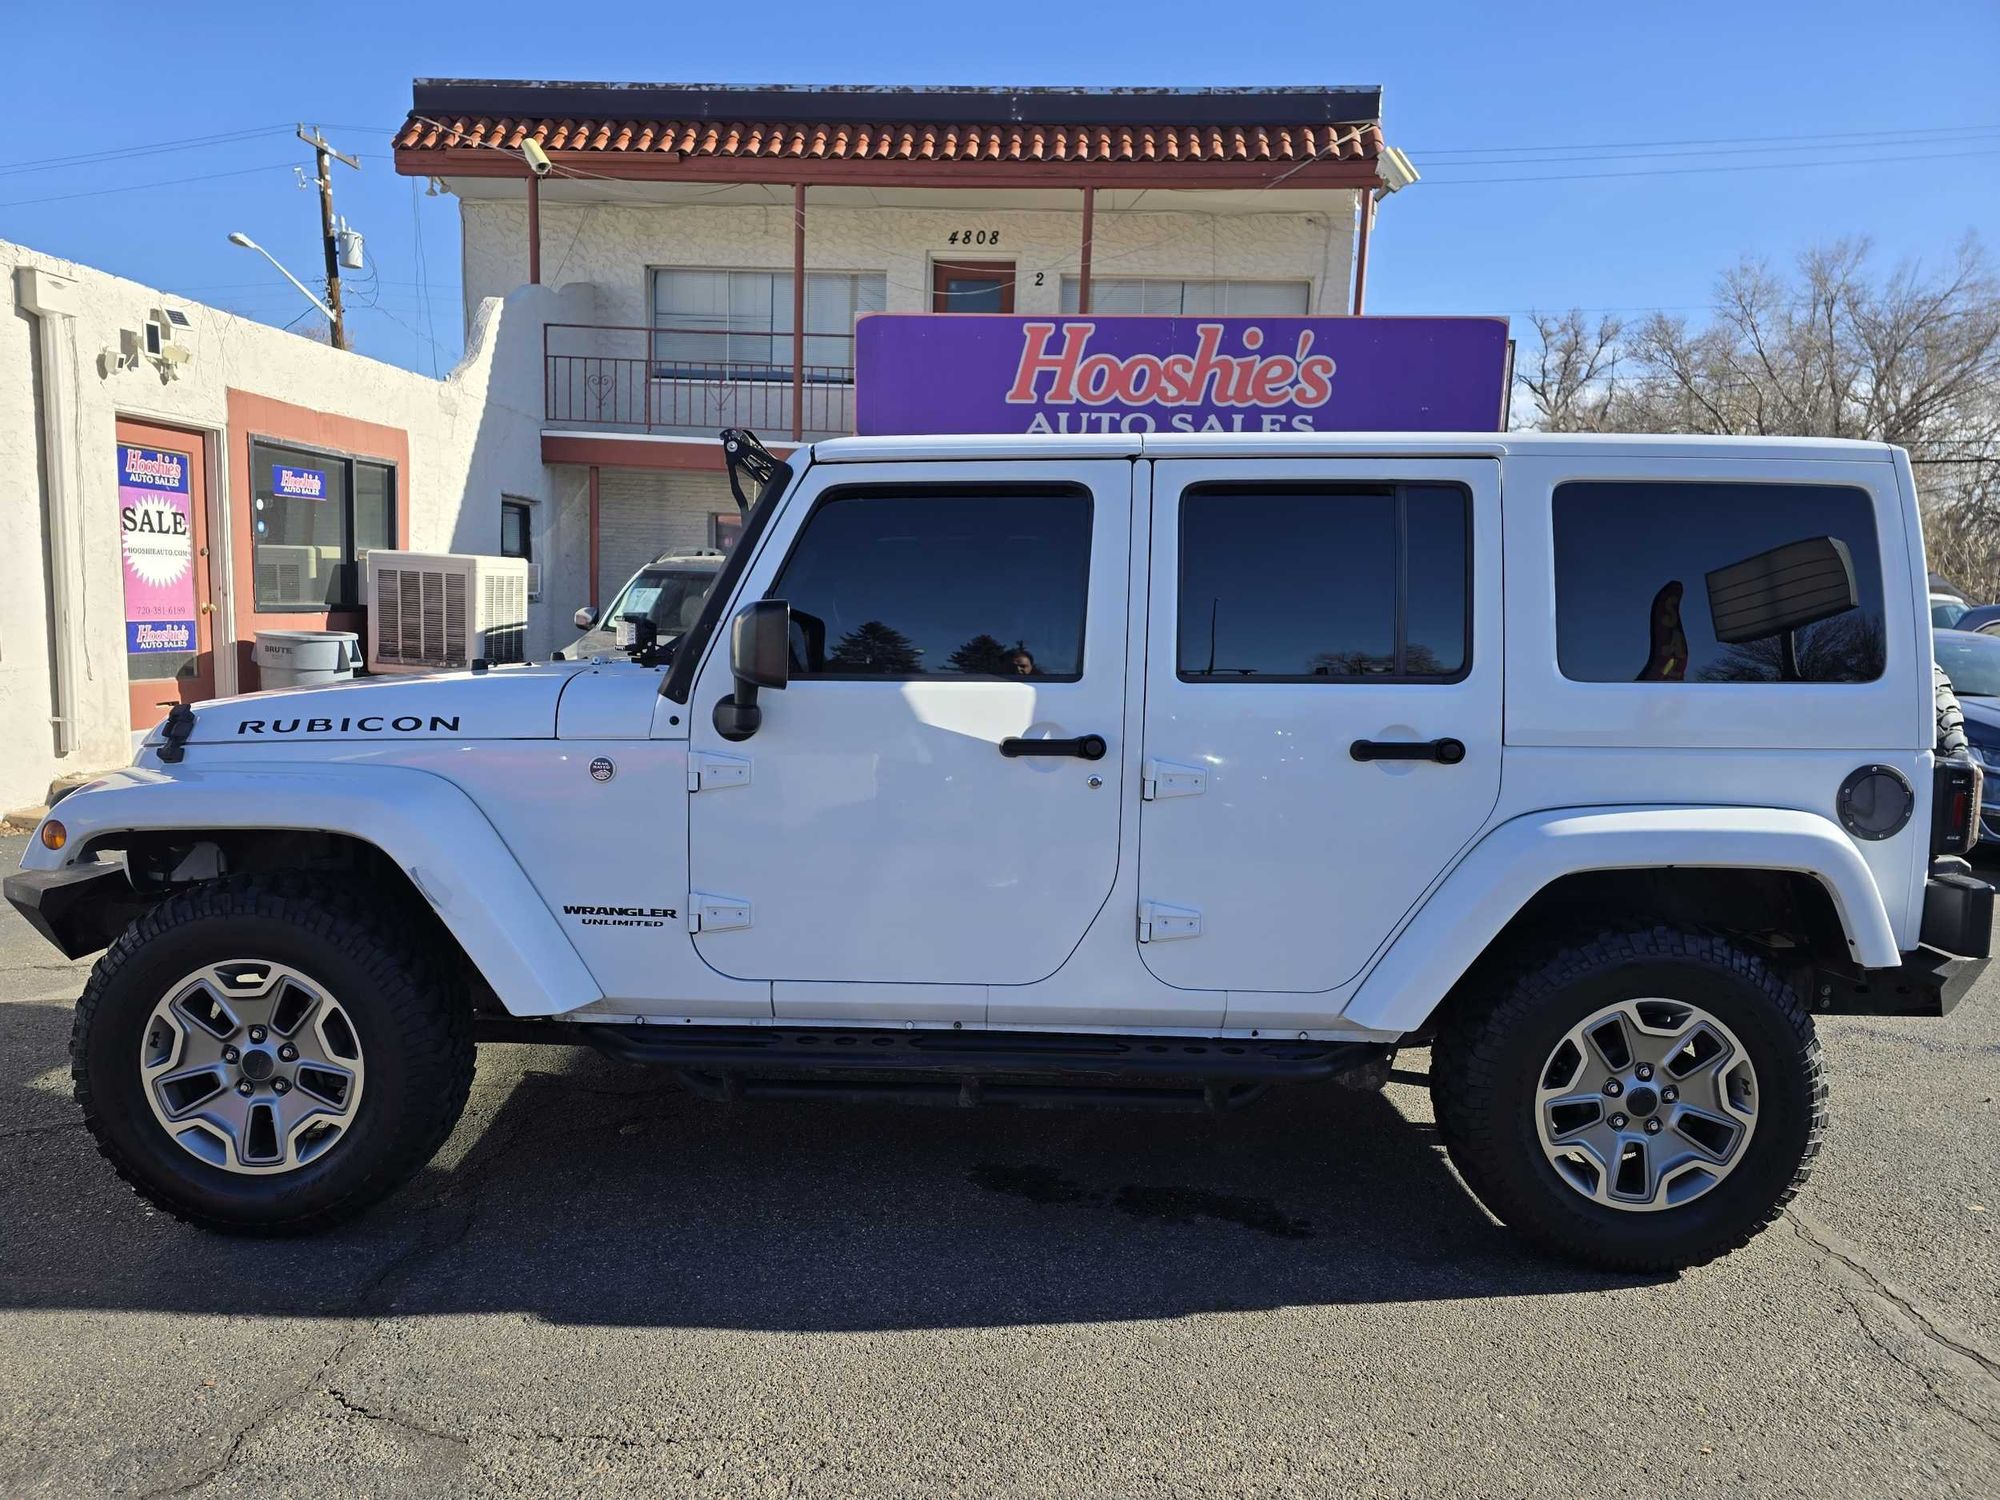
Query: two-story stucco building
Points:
[726, 240]
[644, 265]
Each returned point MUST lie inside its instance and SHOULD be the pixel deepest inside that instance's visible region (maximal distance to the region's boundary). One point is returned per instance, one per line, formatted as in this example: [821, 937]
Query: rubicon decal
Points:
[365, 724]
[622, 916]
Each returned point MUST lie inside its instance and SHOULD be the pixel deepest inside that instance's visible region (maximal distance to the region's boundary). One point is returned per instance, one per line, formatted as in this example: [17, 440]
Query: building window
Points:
[1372, 583]
[940, 583]
[314, 516]
[1666, 581]
[707, 321]
[517, 536]
[725, 527]
[1165, 297]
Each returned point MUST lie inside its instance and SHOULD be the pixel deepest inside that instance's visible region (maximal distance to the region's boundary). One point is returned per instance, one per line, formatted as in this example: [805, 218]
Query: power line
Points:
[1773, 166]
[1719, 140]
[1968, 138]
[138, 187]
[154, 148]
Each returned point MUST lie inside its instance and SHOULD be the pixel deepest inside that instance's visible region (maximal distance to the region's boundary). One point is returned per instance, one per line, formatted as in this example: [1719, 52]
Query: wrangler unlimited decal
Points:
[366, 724]
[622, 916]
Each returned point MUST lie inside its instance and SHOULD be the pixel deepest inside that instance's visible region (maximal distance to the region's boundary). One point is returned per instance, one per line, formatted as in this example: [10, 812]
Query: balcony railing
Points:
[643, 380]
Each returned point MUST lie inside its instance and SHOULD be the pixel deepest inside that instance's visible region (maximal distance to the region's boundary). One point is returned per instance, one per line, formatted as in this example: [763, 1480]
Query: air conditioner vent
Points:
[436, 611]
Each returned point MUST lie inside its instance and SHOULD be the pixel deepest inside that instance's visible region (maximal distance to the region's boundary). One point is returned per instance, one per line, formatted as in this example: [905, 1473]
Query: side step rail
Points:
[822, 1050]
[958, 1068]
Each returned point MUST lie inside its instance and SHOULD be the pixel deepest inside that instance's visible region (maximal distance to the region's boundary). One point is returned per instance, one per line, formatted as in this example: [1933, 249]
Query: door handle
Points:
[1082, 746]
[1446, 752]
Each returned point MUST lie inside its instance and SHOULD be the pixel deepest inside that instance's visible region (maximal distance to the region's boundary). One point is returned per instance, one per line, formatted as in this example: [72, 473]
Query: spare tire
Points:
[1950, 717]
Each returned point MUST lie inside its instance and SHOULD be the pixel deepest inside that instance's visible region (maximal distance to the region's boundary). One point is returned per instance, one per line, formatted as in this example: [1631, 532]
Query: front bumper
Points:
[80, 908]
[1955, 945]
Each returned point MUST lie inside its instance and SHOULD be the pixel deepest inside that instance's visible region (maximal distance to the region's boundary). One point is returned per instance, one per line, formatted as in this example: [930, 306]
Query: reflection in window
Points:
[1333, 582]
[1160, 296]
[743, 320]
[959, 583]
[1658, 581]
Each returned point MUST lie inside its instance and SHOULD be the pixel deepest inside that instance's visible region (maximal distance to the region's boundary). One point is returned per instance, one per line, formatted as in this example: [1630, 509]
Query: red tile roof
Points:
[861, 141]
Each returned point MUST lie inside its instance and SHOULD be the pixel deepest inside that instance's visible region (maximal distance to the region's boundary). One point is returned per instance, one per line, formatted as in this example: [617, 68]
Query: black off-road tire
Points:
[413, 1021]
[1950, 717]
[1490, 1053]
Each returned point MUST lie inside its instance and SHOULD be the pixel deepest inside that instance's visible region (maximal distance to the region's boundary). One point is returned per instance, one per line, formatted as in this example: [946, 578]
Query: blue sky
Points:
[1842, 118]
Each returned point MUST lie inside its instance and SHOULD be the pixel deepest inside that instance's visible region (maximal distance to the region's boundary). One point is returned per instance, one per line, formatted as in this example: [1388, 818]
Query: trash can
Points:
[305, 658]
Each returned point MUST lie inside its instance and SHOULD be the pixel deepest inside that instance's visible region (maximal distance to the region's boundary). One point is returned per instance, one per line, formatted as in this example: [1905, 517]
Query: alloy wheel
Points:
[1646, 1104]
[252, 1067]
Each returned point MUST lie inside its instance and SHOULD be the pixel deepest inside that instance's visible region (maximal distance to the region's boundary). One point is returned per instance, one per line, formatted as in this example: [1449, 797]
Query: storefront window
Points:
[313, 517]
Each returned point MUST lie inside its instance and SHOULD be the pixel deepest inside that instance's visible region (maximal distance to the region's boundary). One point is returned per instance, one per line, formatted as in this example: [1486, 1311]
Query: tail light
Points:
[1955, 793]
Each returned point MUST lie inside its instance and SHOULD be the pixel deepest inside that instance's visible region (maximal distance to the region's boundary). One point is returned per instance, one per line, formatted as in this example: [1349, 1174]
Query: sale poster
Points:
[156, 527]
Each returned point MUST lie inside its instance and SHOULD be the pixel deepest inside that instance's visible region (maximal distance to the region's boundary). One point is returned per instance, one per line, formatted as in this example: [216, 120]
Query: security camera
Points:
[536, 158]
[176, 354]
[1395, 169]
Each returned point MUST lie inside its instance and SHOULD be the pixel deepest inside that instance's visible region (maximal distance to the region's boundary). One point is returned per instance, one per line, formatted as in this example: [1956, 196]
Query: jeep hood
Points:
[503, 703]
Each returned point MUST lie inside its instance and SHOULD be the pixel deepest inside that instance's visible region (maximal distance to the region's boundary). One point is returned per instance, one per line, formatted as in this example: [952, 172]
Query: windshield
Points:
[1972, 662]
[670, 598]
[1945, 613]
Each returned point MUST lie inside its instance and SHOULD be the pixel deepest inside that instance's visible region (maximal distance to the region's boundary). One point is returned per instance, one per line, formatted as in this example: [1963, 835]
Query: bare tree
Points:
[1569, 385]
[1830, 350]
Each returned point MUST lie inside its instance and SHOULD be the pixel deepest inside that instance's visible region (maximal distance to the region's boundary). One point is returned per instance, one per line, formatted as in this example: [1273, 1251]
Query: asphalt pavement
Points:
[603, 1284]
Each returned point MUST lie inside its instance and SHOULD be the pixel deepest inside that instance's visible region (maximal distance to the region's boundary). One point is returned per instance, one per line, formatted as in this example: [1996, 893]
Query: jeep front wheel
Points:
[1643, 1101]
[269, 1055]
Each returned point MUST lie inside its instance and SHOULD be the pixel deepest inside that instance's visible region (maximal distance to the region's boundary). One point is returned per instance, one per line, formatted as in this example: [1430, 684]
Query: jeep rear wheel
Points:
[269, 1055]
[1643, 1101]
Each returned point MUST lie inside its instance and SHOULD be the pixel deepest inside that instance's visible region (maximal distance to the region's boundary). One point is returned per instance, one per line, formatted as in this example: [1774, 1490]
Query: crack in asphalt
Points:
[27, 1130]
[1820, 1238]
[1986, 1427]
[394, 1419]
[469, 1190]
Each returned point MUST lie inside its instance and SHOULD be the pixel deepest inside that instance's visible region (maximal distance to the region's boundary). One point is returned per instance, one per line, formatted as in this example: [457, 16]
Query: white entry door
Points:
[1322, 723]
[892, 822]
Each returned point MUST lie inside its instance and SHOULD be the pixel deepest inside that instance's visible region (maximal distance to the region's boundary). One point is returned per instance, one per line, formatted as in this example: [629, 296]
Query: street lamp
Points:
[239, 238]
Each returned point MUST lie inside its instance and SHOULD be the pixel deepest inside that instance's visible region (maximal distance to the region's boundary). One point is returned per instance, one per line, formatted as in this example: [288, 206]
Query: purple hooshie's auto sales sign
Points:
[946, 373]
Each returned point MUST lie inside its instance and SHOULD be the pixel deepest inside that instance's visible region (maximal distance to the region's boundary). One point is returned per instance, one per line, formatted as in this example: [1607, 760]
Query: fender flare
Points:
[1517, 859]
[435, 833]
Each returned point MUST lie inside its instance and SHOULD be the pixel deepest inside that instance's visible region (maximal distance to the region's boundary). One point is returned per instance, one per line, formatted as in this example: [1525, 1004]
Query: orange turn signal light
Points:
[54, 835]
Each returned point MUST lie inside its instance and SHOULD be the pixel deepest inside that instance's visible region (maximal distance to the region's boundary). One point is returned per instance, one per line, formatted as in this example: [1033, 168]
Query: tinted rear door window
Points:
[1312, 583]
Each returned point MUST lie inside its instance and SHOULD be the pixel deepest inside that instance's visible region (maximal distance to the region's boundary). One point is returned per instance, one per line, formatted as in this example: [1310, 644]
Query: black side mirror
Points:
[760, 656]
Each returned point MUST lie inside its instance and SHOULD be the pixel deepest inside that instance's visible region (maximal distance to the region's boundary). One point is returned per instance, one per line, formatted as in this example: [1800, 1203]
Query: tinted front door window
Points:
[940, 584]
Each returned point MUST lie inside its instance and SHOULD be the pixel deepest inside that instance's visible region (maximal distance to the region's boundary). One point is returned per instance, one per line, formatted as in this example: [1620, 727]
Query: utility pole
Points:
[322, 151]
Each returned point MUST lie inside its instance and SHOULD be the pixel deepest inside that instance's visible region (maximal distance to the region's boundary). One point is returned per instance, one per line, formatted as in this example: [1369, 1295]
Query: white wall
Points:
[473, 436]
[641, 515]
[611, 246]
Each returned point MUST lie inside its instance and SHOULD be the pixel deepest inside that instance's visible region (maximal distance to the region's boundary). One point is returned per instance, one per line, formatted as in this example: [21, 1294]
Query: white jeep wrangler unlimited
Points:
[1141, 770]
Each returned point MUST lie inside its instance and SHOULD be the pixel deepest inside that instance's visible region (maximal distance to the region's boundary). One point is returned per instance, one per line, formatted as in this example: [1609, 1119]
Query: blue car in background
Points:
[1971, 659]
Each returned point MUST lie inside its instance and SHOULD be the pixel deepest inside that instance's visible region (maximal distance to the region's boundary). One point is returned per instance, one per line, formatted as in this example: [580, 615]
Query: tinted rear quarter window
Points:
[1645, 569]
